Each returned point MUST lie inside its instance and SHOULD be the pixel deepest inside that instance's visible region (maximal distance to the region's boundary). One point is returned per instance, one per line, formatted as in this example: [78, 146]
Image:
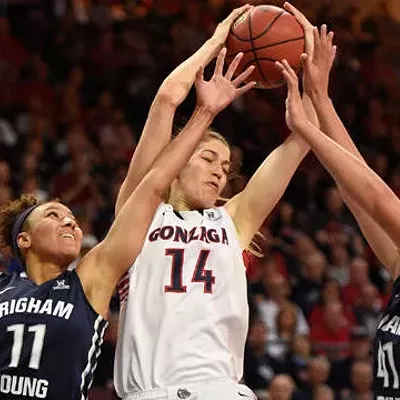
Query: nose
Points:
[70, 222]
[218, 172]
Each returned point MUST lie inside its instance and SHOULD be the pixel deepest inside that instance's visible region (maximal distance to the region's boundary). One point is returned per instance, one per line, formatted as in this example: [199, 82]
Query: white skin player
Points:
[317, 70]
[375, 206]
[46, 238]
[197, 188]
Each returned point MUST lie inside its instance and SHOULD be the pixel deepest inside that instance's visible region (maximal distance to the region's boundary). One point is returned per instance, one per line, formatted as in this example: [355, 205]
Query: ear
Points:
[24, 241]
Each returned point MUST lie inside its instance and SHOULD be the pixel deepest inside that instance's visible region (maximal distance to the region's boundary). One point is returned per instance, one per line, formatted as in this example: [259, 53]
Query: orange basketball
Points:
[266, 34]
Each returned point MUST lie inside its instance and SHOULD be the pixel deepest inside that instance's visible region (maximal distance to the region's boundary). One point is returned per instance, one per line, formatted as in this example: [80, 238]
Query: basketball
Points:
[266, 34]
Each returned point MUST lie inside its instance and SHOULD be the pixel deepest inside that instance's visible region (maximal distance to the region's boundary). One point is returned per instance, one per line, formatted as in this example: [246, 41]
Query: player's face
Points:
[204, 177]
[54, 234]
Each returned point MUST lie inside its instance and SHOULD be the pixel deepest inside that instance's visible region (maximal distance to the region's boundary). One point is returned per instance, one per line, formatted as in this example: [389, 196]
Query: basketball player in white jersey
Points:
[184, 311]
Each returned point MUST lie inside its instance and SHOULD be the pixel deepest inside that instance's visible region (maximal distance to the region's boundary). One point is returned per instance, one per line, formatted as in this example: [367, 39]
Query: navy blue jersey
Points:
[50, 338]
[387, 350]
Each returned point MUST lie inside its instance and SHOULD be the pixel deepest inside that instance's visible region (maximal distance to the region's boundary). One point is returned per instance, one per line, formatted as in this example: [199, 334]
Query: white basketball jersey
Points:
[185, 317]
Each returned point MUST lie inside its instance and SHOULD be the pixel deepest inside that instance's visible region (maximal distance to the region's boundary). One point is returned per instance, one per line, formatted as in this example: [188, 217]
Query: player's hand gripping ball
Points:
[266, 34]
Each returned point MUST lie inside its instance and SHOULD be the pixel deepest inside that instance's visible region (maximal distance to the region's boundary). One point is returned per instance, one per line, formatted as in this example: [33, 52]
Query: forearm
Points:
[381, 244]
[357, 180]
[159, 124]
[155, 136]
[184, 74]
[310, 110]
[332, 125]
[266, 187]
[377, 238]
[178, 152]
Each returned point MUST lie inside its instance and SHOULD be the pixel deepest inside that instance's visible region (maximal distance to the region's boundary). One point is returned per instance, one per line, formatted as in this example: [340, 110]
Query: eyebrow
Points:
[215, 154]
[69, 212]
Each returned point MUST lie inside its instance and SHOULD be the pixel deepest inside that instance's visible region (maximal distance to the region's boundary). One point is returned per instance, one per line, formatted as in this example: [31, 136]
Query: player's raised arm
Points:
[104, 265]
[158, 127]
[250, 207]
[266, 187]
[361, 184]
[317, 70]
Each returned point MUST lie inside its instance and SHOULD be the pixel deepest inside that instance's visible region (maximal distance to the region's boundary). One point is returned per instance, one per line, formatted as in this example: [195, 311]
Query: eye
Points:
[226, 170]
[52, 214]
[208, 159]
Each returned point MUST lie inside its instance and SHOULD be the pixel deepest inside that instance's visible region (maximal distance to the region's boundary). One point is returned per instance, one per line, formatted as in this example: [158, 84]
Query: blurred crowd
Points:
[76, 81]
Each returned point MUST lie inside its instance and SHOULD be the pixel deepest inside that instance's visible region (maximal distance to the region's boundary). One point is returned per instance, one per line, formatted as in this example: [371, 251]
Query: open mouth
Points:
[68, 236]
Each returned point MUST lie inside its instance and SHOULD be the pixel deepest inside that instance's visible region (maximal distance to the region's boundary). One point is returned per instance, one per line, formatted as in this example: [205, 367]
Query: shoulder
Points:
[6, 278]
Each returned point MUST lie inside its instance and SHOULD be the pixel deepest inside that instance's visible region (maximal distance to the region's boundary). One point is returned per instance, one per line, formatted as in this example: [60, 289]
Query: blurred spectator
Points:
[310, 283]
[333, 335]
[358, 278]
[340, 260]
[360, 350]
[323, 392]
[361, 380]
[318, 372]
[298, 358]
[281, 388]
[259, 367]
[330, 292]
[278, 292]
[369, 310]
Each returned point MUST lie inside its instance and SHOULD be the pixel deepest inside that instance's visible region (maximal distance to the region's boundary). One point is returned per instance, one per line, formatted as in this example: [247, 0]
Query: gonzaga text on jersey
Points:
[35, 306]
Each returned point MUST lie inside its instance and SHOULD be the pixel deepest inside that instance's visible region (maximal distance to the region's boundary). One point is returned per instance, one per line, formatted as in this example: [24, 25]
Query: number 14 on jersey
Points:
[200, 274]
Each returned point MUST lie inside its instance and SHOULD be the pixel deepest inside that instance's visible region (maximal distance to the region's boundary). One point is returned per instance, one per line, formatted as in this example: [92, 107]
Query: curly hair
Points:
[8, 215]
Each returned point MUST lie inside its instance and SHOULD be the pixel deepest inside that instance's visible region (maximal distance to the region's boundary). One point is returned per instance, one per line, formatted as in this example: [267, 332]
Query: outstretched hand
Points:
[295, 114]
[318, 67]
[221, 90]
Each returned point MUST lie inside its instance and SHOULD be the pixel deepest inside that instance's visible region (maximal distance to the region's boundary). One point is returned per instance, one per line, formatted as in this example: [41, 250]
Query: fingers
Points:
[317, 42]
[243, 76]
[333, 54]
[219, 66]
[323, 46]
[245, 88]
[305, 60]
[304, 22]
[233, 67]
[289, 69]
[288, 74]
[323, 35]
[237, 12]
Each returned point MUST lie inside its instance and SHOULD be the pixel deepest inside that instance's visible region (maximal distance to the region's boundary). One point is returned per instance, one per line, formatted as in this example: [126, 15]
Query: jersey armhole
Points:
[75, 276]
[249, 260]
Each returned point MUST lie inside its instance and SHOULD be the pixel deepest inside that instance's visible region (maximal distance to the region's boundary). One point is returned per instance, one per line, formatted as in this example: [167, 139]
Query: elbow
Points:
[378, 196]
[155, 185]
[172, 94]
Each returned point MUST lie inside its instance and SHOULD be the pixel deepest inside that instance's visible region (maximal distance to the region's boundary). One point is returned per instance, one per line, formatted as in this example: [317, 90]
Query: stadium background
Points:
[76, 82]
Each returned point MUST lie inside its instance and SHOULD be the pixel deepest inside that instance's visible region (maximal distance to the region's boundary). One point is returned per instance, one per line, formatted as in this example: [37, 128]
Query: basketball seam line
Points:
[252, 48]
[268, 46]
[267, 28]
[264, 59]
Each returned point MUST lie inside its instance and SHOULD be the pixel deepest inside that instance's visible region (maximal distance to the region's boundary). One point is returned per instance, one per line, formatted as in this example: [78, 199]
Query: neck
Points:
[42, 271]
[178, 202]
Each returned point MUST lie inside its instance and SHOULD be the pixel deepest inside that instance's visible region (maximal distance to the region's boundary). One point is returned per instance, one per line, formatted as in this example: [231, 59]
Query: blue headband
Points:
[16, 230]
